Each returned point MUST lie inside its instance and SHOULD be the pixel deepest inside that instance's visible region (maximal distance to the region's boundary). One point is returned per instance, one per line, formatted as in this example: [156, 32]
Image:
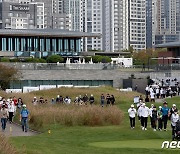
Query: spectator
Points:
[19, 103]
[11, 110]
[160, 118]
[57, 99]
[132, 115]
[154, 118]
[174, 120]
[174, 108]
[91, 99]
[112, 100]
[35, 101]
[108, 99]
[53, 101]
[102, 100]
[3, 116]
[85, 99]
[144, 116]
[165, 112]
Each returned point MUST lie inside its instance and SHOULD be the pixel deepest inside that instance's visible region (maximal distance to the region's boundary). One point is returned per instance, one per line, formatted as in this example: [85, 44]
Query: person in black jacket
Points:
[91, 99]
[112, 100]
[154, 118]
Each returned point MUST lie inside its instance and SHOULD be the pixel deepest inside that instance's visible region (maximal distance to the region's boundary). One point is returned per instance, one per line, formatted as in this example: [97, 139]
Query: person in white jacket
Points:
[139, 113]
[11, 110]
[174, 120]
[132, 116]
[144, 116]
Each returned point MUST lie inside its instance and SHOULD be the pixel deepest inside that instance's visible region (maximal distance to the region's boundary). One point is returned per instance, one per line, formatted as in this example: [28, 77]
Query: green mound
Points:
[142, 144]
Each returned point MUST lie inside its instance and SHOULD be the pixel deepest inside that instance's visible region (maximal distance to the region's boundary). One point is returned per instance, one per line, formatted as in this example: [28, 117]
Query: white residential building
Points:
[137, 24]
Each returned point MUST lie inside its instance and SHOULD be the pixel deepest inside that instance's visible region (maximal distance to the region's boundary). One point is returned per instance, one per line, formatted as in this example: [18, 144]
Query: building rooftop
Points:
[46, 33]
[168, 45]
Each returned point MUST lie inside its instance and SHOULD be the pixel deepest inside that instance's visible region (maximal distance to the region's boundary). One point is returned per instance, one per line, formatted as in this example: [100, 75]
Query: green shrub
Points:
[103, 59]
[35, 60]
[55, 59]
[5, 59]
[14, 60]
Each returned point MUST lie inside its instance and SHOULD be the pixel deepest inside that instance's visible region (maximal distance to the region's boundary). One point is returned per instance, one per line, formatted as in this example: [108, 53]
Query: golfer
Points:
[24, 118]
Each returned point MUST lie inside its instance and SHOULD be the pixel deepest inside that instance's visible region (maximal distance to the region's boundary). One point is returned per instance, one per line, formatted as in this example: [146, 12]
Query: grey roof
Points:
[168, 45]
[46, 32]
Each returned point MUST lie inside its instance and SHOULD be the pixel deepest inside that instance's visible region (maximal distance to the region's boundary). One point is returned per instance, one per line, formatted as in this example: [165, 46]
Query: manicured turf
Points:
[100, 140]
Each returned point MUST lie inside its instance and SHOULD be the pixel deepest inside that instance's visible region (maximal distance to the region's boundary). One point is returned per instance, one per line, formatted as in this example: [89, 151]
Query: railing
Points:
[95, 66]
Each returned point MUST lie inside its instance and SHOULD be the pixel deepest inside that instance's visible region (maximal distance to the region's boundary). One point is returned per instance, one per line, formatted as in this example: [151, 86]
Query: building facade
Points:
[167, 23]
[137, 24]
[42, 42]
[32, 14]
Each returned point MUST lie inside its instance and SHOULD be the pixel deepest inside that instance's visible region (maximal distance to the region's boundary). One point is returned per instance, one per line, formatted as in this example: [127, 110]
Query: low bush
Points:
[75, 116]
[5, 146]
[55, 59]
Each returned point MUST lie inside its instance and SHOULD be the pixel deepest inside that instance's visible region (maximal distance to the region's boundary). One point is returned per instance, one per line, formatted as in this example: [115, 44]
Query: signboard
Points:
[19, 8]
[136, 99]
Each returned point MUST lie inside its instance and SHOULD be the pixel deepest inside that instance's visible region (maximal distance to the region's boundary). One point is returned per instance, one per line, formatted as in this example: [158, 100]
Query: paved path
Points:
[15, 130]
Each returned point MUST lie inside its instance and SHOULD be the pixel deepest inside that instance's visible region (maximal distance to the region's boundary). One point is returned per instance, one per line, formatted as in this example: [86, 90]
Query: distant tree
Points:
[55, 59]
[144, 56]
[8, 74]
[102, 59]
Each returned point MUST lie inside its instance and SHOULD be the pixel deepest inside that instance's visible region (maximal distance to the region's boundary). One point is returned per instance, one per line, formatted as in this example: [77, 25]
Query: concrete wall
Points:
[116, 75]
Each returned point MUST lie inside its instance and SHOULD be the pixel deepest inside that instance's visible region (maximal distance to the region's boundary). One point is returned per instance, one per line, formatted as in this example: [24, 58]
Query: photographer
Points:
[132, 115]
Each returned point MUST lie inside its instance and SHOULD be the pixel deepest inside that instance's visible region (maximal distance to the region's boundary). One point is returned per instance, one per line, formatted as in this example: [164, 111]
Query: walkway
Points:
[15, 130]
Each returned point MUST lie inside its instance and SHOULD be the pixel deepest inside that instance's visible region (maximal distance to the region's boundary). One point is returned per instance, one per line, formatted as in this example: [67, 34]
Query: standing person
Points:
[108, 100]
[165, 112]
[102, 100]
[152, 96]
[112, 100]
[144, 116]
[154, 118]
[174, 120]
[57, 99]
[85, 99]
[132, 116]
[174, 108]
[24, 118]
[157, 93]
[35, 101]
[3, 116]
[159, 118]
[91, 99]
[147, 90]
[19, 103]
[139, 113]
[11, 110]
[150, 114]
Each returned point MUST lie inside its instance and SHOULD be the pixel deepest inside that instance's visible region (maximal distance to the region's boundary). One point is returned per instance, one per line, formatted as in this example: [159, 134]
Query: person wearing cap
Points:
[144, 116]
[91, 99]
[3, 115]
[150, 113]
[132, 116]
[154, 118]
[35, 101]
[174, 120]
[159, 112]
[174, 108]
[165, 113]
[24, 114]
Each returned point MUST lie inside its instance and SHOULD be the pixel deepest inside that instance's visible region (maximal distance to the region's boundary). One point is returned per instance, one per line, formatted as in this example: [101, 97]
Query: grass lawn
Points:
[105, 139]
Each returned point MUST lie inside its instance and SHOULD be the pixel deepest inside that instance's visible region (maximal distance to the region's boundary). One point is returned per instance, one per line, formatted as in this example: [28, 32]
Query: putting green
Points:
[144, 144]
